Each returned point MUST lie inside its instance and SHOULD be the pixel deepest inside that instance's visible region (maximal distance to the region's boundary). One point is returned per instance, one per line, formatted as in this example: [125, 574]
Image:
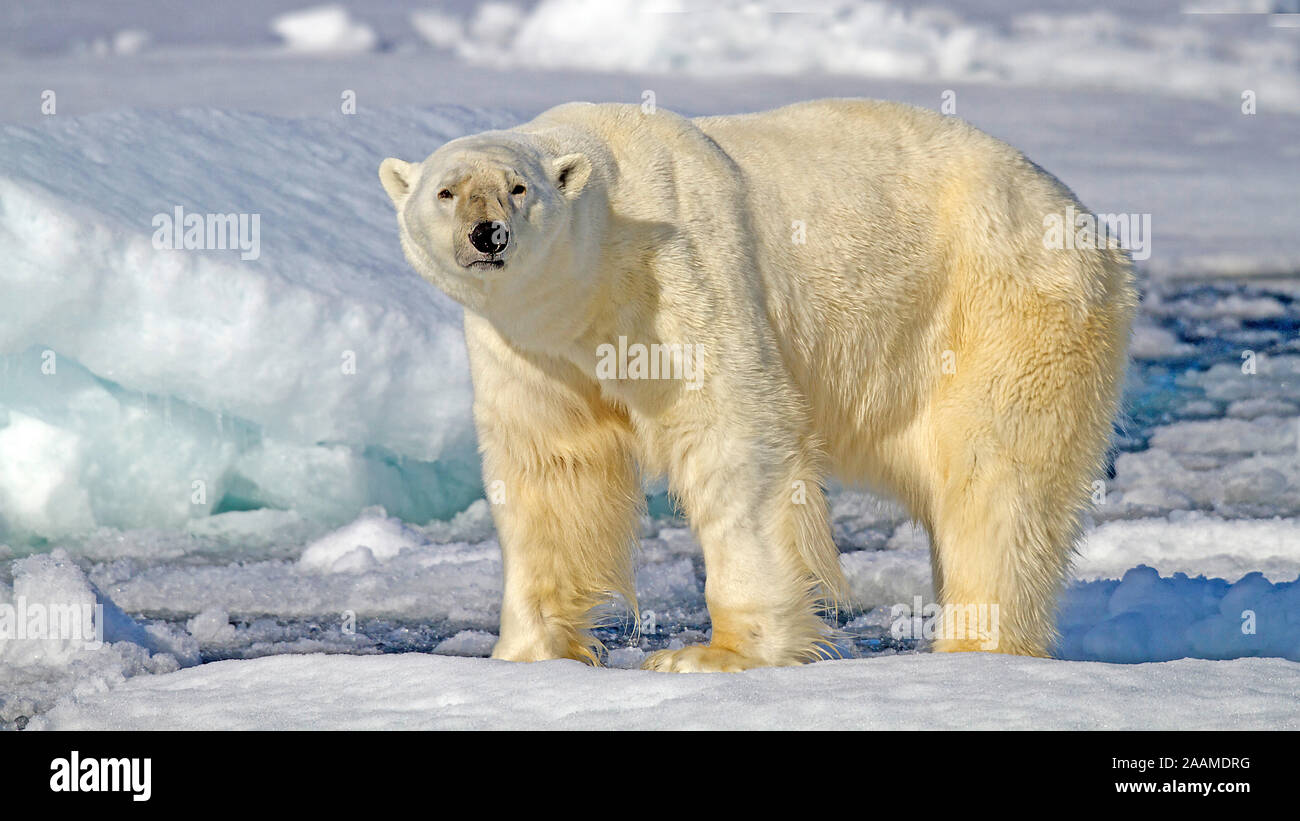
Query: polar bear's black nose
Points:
[490, 237]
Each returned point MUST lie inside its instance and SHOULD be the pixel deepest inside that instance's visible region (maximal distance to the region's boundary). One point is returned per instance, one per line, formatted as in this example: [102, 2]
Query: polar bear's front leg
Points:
[566, 516]
[559, 469]
[757, 507]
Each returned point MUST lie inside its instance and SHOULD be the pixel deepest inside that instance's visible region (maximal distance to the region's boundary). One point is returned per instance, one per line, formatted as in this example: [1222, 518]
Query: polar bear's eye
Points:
[444, 194]
[518, 189]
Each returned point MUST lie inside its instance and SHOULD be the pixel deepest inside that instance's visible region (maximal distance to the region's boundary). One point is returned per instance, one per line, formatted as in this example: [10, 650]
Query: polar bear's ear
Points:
[395, 175]
[571, 173]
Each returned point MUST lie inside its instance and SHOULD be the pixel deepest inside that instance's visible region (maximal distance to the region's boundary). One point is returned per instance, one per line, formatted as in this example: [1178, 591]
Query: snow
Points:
[416, 692]
[1195, 55]
[1153, 342]
[1193, 542]
[259, 462]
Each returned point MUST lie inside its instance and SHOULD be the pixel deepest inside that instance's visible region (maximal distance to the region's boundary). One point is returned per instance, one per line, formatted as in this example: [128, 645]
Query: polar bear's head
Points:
[491, 219]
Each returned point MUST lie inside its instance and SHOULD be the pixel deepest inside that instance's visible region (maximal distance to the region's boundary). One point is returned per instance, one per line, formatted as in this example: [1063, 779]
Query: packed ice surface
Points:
[381, 586]
[441, 596]
[91, 646]
[954, 691]
[267, 451]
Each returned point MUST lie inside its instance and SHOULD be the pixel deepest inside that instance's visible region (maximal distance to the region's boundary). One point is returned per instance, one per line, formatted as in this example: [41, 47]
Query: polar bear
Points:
[863, 290]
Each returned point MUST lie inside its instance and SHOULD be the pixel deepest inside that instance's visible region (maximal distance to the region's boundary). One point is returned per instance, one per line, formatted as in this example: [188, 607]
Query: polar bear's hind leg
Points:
[1019, 435]
[771, 563]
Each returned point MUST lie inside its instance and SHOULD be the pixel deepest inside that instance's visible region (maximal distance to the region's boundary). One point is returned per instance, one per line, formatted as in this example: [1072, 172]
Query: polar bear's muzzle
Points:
[483, 245]
[490, 237]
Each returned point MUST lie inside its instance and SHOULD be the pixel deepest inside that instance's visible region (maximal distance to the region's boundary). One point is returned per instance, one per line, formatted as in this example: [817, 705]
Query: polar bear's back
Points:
[877, 164]
[893, 189]
[902, 184]
[856, 127]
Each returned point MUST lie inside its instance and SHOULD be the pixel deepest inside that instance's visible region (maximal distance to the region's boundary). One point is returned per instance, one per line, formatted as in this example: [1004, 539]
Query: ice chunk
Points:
[212, 626]
[468, 643]
[60, 635]
[360, 546]
[147, 386]
[323, 28]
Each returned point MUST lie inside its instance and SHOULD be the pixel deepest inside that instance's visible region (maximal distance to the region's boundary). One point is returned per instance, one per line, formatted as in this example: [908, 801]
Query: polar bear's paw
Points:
[701, 658]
